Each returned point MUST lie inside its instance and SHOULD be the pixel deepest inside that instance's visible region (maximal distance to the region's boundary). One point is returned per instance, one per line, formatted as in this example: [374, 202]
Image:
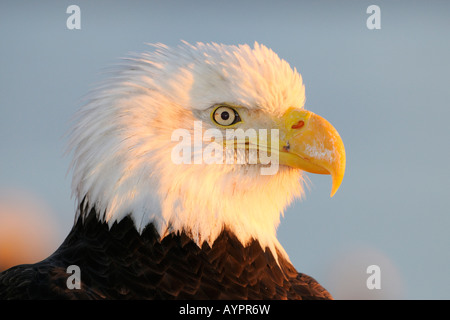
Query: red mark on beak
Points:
[298, 125]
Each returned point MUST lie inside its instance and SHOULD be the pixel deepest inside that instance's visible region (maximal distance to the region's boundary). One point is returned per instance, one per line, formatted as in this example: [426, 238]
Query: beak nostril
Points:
[298, 125]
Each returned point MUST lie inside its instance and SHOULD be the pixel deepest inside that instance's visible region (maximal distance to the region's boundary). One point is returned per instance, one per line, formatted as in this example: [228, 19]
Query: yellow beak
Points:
[310, 143]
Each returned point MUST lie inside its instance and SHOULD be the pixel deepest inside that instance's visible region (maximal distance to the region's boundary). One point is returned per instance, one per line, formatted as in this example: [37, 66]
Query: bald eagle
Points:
[151, 226]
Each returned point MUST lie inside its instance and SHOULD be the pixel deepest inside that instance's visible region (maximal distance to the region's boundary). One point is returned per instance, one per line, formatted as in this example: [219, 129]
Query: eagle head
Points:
[200, 138]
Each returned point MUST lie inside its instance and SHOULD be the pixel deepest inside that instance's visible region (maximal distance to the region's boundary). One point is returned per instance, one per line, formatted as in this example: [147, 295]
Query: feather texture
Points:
[120, 263]
[122, 142]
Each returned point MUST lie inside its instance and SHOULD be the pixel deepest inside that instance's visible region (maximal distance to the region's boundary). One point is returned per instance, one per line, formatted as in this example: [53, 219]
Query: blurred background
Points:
[386, 91]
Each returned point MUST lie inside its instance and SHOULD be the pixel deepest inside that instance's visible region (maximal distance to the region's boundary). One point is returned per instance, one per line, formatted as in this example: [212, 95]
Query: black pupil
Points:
[225, 115]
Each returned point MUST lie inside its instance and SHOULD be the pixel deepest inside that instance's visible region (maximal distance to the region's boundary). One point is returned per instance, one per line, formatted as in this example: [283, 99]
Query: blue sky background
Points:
[386, 91]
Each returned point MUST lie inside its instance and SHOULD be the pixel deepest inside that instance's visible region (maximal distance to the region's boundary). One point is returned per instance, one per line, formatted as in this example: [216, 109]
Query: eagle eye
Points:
[225, 116]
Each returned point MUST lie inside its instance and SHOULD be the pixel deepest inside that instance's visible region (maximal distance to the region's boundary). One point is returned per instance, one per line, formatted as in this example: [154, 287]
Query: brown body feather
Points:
[120, 263]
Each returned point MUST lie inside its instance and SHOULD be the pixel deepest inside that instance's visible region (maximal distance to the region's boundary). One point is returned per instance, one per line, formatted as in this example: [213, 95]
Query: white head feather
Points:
[122, 144]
